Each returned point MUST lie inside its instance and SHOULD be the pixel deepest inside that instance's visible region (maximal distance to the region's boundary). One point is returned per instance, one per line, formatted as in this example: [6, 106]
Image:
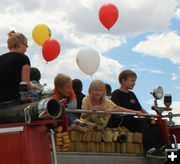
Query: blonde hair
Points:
[61, 79]
[14, 39]
[97, 84]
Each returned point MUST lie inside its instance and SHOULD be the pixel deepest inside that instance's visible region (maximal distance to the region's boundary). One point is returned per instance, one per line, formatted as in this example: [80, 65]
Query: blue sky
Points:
[145, 38]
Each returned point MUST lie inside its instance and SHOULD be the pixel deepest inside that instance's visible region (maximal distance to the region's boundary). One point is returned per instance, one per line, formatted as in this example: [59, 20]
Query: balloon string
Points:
[91, 77]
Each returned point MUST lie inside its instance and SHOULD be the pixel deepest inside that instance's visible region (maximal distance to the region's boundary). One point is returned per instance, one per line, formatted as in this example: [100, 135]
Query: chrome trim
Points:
[11, 129]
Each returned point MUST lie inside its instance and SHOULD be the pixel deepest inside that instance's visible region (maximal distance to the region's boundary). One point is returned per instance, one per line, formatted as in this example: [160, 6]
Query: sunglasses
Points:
[25, 44]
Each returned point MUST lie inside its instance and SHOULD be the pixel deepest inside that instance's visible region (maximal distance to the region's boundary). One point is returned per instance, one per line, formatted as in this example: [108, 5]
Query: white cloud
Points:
[134, 16]
[75, 24]
[66, 63]
[175, 109]
[82, 16]
[165, 45]
[177, 13]
[109, 69]
[148, 70]
[174, 76]
[58, 17]
[177, 87]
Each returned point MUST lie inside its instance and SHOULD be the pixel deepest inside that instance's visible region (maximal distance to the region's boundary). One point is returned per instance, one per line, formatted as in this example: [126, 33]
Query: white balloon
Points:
[88, 60]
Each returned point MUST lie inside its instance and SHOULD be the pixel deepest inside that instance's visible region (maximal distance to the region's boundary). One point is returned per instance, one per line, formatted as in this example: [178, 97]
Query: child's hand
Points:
[95, 107]
[108, 111]
[153, 120]
[139, 113]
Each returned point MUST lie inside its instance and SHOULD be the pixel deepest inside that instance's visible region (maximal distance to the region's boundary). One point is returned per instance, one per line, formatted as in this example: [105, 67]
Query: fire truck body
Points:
[24, 144]
[27, 142]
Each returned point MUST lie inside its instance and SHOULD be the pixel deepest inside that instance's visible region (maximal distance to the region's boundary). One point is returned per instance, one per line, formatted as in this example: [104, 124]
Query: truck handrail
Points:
[113, 113]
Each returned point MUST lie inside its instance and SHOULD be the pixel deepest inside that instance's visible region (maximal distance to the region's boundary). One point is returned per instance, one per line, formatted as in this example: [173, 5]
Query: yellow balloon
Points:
[41, 33]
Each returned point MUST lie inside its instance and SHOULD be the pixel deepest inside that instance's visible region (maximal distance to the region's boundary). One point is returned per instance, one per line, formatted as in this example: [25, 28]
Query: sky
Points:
[145, 38]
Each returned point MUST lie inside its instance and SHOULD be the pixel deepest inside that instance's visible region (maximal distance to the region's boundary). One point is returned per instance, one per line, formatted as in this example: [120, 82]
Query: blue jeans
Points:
[71, 118]
[32, 93]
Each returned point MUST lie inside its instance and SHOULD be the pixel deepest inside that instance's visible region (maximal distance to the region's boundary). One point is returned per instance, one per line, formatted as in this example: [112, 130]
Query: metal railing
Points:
[112, 113]
[119, 113]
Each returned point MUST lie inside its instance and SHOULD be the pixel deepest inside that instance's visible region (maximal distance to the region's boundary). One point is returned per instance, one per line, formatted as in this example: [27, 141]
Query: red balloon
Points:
[51, 49]
[108, 15]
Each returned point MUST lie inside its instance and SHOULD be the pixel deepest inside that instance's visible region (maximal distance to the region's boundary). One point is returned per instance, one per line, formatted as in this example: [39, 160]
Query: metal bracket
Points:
[170, 122]
[160, 109]
[173, 137]
[27, 116]
[53, 146]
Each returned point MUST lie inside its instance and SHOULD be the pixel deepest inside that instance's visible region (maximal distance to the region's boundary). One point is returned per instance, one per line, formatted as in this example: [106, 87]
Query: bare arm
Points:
[153, 119]
[122, 109]
[144, 111]
[72, 104]
[35, 87]
[25, 75]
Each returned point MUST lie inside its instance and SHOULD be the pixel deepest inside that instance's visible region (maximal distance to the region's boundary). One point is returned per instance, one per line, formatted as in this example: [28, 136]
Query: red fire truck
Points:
[24, 134]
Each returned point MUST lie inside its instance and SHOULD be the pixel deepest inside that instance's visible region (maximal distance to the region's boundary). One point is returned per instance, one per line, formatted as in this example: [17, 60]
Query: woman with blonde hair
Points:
[14, 68]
